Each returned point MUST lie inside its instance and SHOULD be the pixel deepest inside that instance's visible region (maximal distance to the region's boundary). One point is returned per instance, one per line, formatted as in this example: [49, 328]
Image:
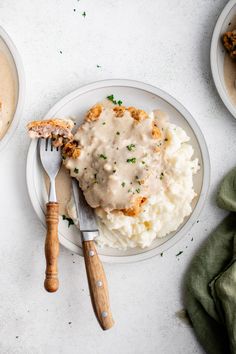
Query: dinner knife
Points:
[95, 273]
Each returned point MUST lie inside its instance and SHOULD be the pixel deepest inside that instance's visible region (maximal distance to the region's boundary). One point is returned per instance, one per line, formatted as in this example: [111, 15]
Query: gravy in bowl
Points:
[7, 92]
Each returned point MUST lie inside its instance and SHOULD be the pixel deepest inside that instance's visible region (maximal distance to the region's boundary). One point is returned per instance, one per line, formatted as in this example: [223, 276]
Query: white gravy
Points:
[119, 160]
[7, 94]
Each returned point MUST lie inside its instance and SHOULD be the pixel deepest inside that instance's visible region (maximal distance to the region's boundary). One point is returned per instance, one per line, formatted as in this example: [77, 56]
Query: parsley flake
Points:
[178, 254]
[117, 133]
[132, 160]
[131, 147]
[123, 184]
[102, 157]
[103, 123]
[84, 14]
[112, 99]
[70, 221]
[76, 170]
[138, 190]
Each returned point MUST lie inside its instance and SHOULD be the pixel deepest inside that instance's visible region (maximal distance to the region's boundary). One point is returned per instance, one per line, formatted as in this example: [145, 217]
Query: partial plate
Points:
[9, 50]
[132, 93]
[217, 55]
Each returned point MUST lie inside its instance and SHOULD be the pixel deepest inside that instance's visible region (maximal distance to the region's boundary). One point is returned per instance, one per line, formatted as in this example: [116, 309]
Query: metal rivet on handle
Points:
[104, 314]
[99, 283]
[91, 253]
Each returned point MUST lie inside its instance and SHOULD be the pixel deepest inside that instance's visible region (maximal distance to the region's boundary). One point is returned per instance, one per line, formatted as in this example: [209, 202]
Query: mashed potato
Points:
[169, 166]
[163, 212]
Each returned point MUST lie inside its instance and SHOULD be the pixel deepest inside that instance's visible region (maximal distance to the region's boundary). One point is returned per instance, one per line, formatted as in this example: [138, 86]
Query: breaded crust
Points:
[229, 42]
[94, 113]
[53, 123]
[136, 208]
[71, 149]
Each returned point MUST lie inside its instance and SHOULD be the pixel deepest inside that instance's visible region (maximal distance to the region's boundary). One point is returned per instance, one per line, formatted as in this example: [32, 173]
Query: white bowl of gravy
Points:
[12, 88]
[222, 66]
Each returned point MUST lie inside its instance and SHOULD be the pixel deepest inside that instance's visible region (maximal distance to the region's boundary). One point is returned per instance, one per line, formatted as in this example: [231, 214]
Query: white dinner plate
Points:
[13, 57]
[223, 24]
[132, 93]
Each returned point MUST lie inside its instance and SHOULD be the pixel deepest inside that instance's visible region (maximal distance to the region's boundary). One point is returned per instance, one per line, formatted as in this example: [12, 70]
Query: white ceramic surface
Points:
[217, 53]
[137, 94]
[9, 49]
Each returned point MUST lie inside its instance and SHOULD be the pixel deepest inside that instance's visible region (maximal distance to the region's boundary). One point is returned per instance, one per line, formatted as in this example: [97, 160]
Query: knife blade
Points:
[85, 214]
[95, 273]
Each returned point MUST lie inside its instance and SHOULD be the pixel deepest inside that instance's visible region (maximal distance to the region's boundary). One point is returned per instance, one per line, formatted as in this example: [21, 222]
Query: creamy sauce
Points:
[230, 77]
[7, 93]
[230, 69]
[120, 161]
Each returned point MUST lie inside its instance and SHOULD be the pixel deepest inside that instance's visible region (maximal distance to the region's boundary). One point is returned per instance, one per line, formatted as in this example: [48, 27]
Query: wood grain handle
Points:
[51, 282]
[97, 285]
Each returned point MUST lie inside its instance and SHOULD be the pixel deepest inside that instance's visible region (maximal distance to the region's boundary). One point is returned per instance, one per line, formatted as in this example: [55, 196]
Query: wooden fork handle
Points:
[51, 282]
[97, 285]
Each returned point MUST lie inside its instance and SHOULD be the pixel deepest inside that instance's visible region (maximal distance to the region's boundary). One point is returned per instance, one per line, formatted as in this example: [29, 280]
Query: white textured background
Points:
[164, 43]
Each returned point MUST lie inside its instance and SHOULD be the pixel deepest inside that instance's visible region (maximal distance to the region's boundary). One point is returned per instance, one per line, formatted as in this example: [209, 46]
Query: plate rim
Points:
[203, 147]
[213, 58]
[21, 88]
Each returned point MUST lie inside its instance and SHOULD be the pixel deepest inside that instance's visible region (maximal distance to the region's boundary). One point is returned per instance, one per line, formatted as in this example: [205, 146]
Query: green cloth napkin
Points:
[211, 280]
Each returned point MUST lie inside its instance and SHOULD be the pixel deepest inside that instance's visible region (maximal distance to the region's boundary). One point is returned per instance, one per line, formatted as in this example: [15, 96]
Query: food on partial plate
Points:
[7, 94]
[57, 129]
[135, 169]
[229, 42]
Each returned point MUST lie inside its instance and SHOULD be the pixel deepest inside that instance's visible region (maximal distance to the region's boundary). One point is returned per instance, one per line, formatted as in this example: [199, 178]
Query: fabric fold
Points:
[210, 281]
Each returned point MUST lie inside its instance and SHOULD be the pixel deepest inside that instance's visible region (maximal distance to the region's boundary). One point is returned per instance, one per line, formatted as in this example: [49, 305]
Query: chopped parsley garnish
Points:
[117, 133]
[133, 160]
[123, 184]
[98, 66]
[70, 221]
[138, 190]
[129, 190]
[76, 170]
[131, 147]
[111, 98]
[161, 254]
[161, 176]
[102, 157]
[136, 177]
[143, 162]
[178, 254]
[84, 14]
[103, 123]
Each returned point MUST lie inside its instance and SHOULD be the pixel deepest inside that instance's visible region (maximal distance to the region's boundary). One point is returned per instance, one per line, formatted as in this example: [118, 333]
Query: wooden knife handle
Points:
[97, 285]
[51, 282]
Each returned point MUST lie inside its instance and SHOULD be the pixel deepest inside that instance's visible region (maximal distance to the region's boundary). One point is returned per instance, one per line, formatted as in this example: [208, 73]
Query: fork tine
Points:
[50, 141]
[46, 144]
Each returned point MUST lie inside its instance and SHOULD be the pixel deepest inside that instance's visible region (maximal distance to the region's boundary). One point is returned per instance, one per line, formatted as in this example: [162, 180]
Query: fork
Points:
[51, 160]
